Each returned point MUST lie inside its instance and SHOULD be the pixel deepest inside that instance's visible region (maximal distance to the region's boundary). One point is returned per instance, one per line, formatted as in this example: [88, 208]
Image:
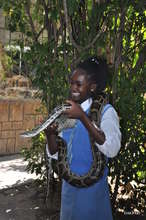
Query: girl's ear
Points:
[93, 87]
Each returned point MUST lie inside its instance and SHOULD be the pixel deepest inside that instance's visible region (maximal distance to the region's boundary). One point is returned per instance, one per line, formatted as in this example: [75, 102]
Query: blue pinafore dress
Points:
[93, 202]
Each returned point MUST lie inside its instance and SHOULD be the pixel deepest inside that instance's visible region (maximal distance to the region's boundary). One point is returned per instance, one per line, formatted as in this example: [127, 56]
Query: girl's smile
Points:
[80, 86]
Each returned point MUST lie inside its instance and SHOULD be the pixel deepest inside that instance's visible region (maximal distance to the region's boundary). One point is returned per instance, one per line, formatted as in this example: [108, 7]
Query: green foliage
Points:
[48, 74]
[35, 157]
[5, 64]
[60, 34]
[130, 163]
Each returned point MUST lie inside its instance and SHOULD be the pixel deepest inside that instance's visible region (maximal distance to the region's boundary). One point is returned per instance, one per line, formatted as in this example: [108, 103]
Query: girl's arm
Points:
[77, 112]
[108, 139]
[51, 136]
[97, 134]
[110, 126]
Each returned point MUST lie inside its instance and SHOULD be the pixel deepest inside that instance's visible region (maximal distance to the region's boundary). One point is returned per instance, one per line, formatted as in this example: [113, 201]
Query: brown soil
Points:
[28, 202]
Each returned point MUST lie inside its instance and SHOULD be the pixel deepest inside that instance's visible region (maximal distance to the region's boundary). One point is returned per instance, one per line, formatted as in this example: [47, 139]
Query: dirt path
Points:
[21, 198]
[27, 202]
[13, 171]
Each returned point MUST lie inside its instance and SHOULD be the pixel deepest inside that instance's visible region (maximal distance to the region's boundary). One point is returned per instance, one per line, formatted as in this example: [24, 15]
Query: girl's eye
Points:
[79, 84]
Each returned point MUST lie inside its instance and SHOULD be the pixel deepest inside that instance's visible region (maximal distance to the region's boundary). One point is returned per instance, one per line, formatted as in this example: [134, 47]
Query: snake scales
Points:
[98, 164]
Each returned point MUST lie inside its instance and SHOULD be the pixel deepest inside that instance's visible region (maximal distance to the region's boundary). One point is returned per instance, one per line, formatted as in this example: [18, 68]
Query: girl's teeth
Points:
[76, 94]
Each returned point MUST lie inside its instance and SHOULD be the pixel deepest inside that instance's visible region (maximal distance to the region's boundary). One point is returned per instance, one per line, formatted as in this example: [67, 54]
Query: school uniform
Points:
[93, 202]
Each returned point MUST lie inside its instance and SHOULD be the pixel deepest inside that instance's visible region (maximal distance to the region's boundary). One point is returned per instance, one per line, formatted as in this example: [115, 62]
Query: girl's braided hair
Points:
[97, 71]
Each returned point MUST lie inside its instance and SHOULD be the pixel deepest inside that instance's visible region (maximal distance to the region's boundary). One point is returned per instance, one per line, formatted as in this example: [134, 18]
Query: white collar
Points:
[86, 104]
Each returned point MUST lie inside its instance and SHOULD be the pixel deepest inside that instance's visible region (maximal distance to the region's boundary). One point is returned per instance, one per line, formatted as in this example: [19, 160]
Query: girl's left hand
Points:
[75, 111]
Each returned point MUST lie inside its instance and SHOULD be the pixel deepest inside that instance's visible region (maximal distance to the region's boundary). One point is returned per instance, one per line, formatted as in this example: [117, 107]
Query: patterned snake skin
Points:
[98, 164]
[57, 117]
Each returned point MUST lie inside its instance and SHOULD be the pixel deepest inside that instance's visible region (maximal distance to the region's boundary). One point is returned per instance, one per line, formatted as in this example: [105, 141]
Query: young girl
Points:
[87, 83]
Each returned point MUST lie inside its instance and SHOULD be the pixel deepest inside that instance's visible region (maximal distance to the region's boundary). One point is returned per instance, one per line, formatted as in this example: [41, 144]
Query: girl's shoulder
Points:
[109, 111]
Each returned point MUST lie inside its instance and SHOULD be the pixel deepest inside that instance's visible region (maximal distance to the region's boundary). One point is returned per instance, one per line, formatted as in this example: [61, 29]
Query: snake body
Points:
[57, 117]
[99, 162]
[91, 177]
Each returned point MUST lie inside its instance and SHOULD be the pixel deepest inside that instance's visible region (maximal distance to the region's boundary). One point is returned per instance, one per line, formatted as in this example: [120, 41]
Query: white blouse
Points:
[110, 126]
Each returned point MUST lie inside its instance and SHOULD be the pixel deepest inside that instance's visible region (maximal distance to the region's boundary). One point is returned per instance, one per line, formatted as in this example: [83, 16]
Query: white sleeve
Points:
[110, 127]
[53, 156]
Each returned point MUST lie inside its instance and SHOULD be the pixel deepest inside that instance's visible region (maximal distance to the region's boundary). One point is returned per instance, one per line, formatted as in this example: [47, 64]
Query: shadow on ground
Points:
[27, 202]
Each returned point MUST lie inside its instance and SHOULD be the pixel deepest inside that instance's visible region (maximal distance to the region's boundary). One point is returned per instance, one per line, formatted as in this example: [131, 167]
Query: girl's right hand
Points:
[51, 133]
[75, 111]
[51, 130]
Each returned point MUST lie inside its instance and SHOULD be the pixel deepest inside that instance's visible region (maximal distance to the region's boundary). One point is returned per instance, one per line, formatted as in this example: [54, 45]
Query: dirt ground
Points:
[25, 200]
[21, 197]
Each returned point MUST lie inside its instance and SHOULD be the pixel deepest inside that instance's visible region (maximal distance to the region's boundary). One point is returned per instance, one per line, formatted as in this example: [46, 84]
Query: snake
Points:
[63, 169]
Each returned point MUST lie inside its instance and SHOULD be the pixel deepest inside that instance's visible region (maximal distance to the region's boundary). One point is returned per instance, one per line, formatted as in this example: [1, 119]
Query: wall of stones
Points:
[5, 35]
[19, 111]
[19, 102]
[17, 116]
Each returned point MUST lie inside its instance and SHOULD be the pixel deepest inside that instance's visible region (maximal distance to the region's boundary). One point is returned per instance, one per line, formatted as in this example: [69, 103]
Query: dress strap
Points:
[105, 108]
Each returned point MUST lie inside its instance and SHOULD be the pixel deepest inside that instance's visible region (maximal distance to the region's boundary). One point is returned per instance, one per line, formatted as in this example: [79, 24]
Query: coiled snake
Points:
[99, 162]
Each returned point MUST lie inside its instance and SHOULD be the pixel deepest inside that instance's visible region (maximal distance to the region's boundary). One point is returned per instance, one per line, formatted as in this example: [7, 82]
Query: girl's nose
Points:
[74, 87]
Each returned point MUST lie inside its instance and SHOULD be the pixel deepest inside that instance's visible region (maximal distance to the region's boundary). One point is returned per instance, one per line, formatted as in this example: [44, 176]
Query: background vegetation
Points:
[60, 34]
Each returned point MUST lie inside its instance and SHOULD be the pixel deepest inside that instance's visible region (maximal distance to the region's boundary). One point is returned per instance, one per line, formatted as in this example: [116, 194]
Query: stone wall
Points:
[17, 116]
[18, 100]
[19, 111]
[5, 35]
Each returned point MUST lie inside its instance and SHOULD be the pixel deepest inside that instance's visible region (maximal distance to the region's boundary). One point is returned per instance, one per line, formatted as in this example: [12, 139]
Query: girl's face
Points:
[80, 86]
